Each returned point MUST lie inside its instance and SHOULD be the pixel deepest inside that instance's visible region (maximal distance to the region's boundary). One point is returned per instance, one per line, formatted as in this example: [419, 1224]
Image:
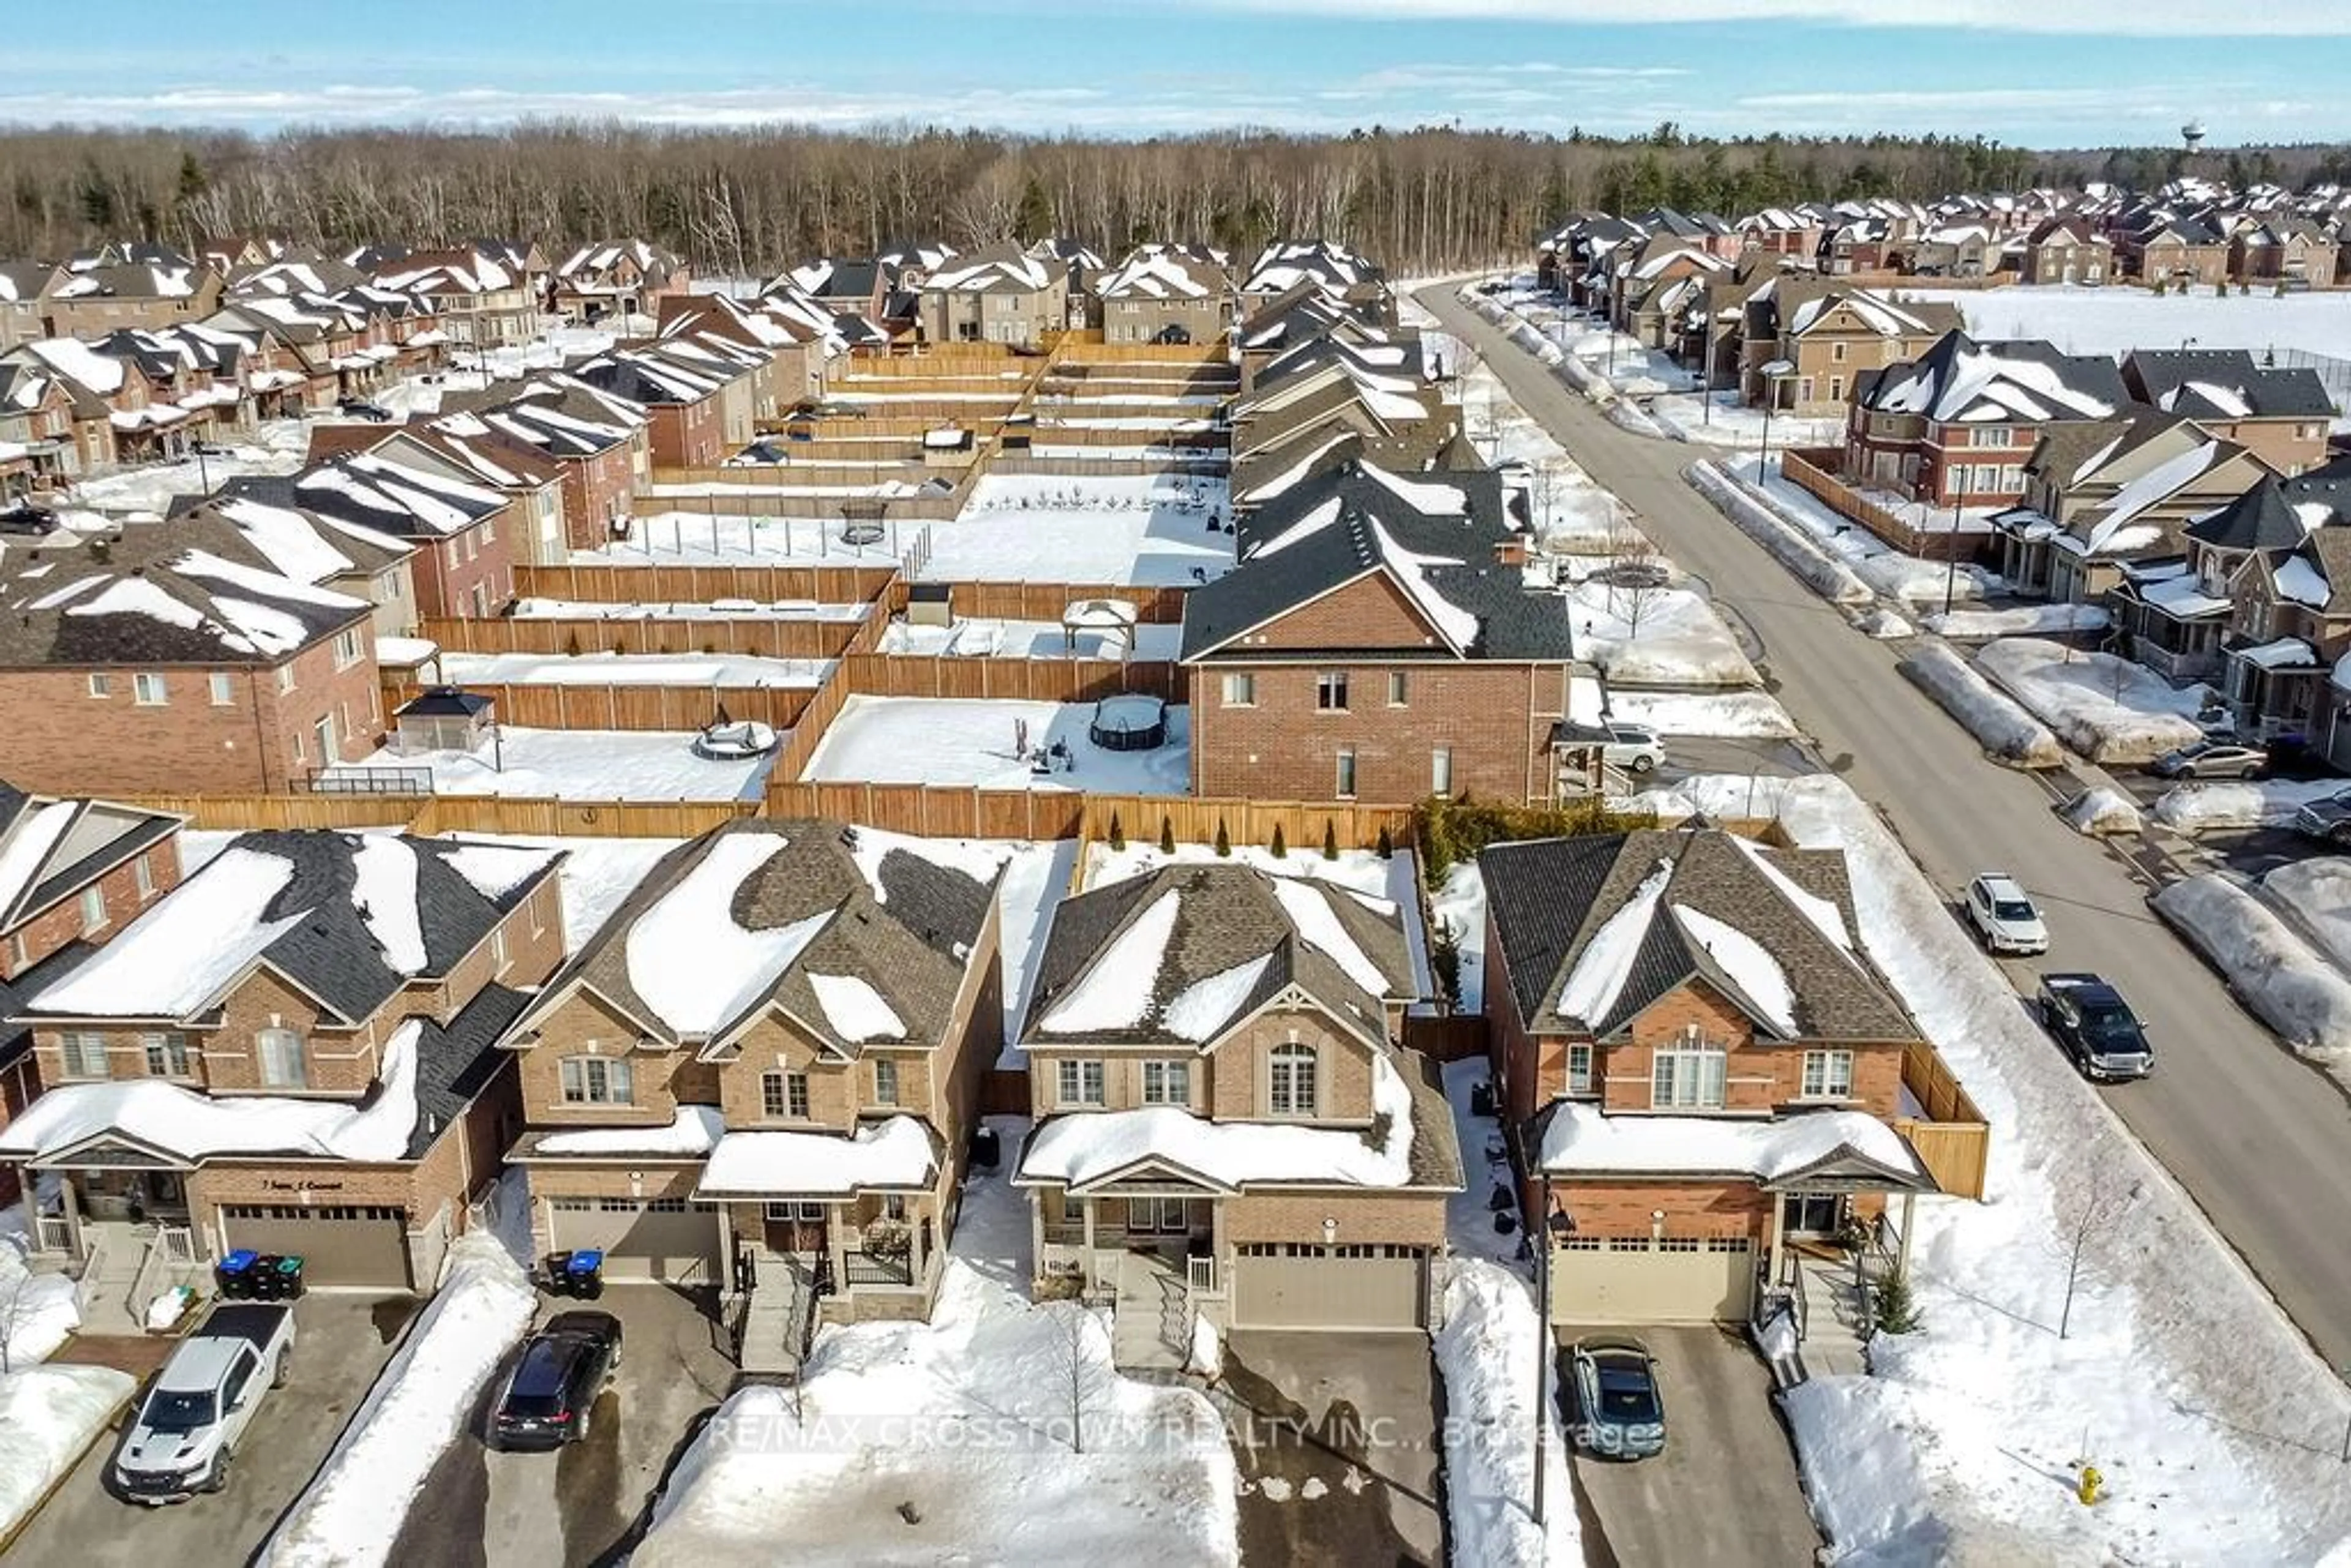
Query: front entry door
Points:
[796, 1228]
[1812, 1215]
[1156, 1216]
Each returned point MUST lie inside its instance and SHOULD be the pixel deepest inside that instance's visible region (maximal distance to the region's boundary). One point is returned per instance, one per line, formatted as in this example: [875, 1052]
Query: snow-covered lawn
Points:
[970, 639]
[351, 1513]
[279, 446]
[1731, 422]
[659, 537]
[1656, 636]
[2020, 620]
[49, 1415]
[999, 1432]
[2216, 1426]
[2281, 977]
[2005, 730]
[38, 1312]
[630, 670]
[1156, 529]
[584, 764]
[2109, 709]
[1745, 715]
[957, 740]
[2242, 804]
[719, 609]
[2119, 320]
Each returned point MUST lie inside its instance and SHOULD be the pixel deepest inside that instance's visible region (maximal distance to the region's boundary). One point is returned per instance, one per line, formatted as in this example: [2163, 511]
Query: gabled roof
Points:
[1446, 512]
[1594, 930]
[998, 269]
[1959, 381]
[2260, 520]
[53, 846]
[2224, 384]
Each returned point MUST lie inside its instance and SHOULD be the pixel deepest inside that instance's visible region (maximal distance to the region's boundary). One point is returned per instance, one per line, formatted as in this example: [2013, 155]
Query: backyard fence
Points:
[580, 706]
[1047, 601]
[1009, 680]
[762, 638]
[846, 583]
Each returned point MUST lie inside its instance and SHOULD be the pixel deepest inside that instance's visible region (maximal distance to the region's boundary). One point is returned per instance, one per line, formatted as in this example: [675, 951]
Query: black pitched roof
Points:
[2260, 520]
[446, 701]
[2170, 379]
[456, 1060]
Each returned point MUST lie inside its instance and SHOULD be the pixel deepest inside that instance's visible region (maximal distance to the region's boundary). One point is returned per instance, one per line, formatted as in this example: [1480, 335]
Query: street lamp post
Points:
[1540, 1237]
[1775, 372]
[1951, 555]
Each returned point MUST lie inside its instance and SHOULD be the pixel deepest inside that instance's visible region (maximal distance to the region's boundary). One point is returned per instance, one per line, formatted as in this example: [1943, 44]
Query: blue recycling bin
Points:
[234, 1274]
[584, 1271]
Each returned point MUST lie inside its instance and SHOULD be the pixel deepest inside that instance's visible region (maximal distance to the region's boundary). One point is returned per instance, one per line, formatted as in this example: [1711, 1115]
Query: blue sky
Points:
[2032, 72]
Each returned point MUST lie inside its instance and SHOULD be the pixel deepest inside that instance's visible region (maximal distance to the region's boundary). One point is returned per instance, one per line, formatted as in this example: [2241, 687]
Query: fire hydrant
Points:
[2093, 1485]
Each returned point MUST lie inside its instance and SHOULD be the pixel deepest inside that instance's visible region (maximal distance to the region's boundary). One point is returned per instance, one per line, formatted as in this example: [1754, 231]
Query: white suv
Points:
[2003, 916]
[1632, 745]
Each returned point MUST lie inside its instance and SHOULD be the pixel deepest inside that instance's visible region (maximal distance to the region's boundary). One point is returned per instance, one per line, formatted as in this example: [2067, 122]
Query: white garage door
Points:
[1636, 1280]
[1284, 1285]
[666, 1239]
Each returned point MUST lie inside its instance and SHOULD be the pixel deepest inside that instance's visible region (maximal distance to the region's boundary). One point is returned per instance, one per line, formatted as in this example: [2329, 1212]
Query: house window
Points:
[796, 1095]
[1579, 1070]
[1440, 771]
[325, 730]
[84, 1055]
[1345, 785]
[147, 690]
[224, 690]
[597, 1081]
[1397, 686]
[1240, 691]
[347, 645]
[775, 1099]
[1330, 692]
[1291, 1088]
[284, 1064]
[93, 909]
[498, 949]
[885, 1082]
[1828, 1075]
[1079, 1082]
[1836, 353]
[143, 874]
[450, 555]
[1688, 1077]
[101, 684]
[285, 677]
[1168, 1083]
[167, 1054]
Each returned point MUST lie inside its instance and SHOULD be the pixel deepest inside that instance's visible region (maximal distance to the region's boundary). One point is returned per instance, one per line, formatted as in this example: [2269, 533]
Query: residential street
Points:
[2260, 1141]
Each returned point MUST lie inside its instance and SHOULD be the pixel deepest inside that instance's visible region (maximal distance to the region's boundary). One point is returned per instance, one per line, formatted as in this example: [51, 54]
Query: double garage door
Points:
[1641, 1280]
[339, 1244]
[663, 1239]
[1283, 1285]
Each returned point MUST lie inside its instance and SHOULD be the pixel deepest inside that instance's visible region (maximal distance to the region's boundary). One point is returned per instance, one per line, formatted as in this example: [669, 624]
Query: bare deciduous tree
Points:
[1081, 1362]
[2095, 1207]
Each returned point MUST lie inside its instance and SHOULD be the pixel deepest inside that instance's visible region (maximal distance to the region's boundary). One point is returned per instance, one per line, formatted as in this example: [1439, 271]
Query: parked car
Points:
[550, 1395]
[24, 517]
[186, 1429]
[360, 408]
[2005, 917]
[2329, 820]
[1632, 745]
[1619, 1412]
[2211, 759]
[2097, 1028]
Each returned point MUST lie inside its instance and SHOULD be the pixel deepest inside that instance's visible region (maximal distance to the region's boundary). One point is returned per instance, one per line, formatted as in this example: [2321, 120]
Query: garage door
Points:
[1636, 1280]
[1280, 1285]
[666, 1239]
[339, 1244]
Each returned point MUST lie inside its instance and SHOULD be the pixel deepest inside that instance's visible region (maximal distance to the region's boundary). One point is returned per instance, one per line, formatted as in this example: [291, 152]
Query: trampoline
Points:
[1129, 722]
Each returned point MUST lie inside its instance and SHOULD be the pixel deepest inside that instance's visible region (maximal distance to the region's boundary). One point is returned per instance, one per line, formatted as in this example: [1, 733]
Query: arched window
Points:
[1292, 1087]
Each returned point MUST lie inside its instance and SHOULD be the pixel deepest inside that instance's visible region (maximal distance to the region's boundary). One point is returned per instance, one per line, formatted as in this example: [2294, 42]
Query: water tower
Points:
[2192, 135]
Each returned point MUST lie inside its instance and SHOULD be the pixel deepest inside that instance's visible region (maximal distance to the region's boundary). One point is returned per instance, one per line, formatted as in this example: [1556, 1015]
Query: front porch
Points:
[796, 1264]
[123, 1236]
[1149, 1252]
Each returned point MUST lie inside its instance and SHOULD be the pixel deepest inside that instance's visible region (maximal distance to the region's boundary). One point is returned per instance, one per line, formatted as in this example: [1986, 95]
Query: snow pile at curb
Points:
[2108, 709]
[1884, 625]
[2207, 807]
[2314, 895]
[2006, 731]
[2101, 810]
[1818, 570]
[2217, 1427]
[352, 1512]
[1487, 1354]
[1748, 715]
[2279, 977]
[2023, 620]
[48, 1417]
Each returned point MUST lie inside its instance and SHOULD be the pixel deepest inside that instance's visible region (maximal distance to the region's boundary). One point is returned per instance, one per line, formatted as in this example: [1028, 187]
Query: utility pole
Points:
[1959, 505]
[1539, 1233]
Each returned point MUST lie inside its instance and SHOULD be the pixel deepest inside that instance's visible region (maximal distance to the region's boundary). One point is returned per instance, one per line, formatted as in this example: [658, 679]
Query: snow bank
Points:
[1749, 715]
[2108, 709]
[1487, 1353]
[2102, 810]
[2294, 991]
[1832, 579]
[2202, 807]
[2314, 895]
[49, 1415]
[38, 1312]
[2216, 1425]
[2007, 732]
[1884, 625]
[2023, 620]
[1460, 908]
[351, 1513]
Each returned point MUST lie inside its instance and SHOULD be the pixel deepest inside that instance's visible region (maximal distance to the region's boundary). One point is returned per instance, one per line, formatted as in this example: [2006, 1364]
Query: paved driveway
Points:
[584, 1503]
[1725, 1490]
[1337, 1438]
[341, 1342]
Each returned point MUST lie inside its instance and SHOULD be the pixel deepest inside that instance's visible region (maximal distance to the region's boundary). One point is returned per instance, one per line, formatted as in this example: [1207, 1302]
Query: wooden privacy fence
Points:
[1953, 1140]
[789, 475]
[844, 584]
[1017, 680]
[1455, 1037]
[569, 705]
[937, 812]
[1203, 467]
[1047, 601]
[1355, 826]
[257, 811]
[762, 638]
[772, 503]
[548, 818]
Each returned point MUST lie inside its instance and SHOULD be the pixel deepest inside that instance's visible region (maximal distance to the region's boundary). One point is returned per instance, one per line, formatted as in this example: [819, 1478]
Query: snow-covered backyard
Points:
[583, 765]
[2108, 709]
[1743, 716]
[999, 1432]
[630, 670]
[278, 446]
[2117, 321]
[973, 639]
[1146, 529]
[977, 741]
[717, 609]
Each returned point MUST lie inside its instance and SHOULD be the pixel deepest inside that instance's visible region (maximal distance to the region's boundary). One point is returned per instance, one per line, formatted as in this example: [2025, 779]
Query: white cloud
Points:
[2183, 18]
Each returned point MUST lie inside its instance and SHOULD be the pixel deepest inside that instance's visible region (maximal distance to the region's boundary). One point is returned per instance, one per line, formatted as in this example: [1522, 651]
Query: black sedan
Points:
[550, 1394]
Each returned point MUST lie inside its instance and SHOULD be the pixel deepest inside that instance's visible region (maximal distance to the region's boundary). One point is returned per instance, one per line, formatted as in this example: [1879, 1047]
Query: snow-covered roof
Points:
[898, 1154]
[1581, 1140]
[2279, 654]
[2301, 583]
[692, 1131]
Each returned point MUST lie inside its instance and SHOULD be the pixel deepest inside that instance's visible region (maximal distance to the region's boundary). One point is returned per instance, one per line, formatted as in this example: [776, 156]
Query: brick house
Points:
[2281, 415]
[1331, 268]
[2284, 252]
[115, 416]
[462, 534]
[1225, 1114]
[599, 443]
[1286, 421]
[795, 339]
[797, 1133]
[2174, 250]
[1957, 424]
[293, 1051]
[175, 660]
[318, 549]
[26, 288]
[36, 427]
[1376, 643]
[73, 873]
[1828, 333]
[2068, 250]
[623, 278]
[1697, 1066]
[2289, 618]
[999, 295]
[1305, 313]
[700, 403]
[166, 290]
[1160, 294]
[481, 300]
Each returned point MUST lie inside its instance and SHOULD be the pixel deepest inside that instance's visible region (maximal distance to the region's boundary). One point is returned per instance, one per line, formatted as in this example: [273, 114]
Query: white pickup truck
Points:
[187, 1428]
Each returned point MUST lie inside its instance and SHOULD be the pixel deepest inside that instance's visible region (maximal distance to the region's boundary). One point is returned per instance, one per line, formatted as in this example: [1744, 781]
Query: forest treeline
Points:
[748, 202]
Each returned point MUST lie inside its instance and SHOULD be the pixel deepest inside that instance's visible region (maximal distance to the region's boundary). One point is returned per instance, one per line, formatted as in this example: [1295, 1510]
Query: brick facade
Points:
[1229, 1083]
[597, 491]
[1410, 1219]
[52, 928]
[470, 573]
[689, 434]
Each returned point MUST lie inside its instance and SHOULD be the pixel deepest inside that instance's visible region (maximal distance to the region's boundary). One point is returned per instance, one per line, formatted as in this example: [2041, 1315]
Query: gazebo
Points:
[442, 720]
[1114, 618]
